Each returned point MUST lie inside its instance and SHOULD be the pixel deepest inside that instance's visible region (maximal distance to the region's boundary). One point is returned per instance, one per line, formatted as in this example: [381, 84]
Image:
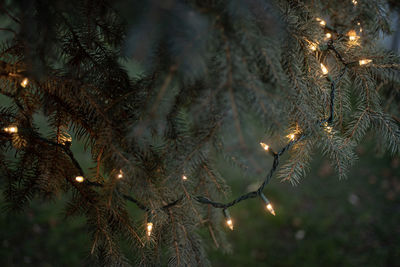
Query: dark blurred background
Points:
[323, 221]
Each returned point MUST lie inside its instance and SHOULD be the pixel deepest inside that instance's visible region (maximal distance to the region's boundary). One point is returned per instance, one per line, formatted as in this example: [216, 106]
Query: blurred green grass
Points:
[321, 222]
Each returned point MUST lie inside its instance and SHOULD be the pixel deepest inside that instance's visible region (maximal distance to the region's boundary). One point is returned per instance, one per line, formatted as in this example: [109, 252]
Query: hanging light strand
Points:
[294, 138]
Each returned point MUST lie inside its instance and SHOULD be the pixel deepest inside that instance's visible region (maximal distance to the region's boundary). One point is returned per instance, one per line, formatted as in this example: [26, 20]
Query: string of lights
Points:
[294, 138]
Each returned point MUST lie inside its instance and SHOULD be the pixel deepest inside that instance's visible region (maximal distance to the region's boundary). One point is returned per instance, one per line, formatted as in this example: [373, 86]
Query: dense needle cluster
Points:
[159, 92]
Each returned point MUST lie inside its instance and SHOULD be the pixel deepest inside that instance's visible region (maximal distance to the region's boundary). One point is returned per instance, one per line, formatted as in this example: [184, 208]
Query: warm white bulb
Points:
[184, 177]
[79, 179]
[271, 209]
[149, 228]
[11, 129]
[364, 61]
[328, 129]
[265, 146]
[321, 21]
[324, 69]
[24, 82]
[352, 35]
[230, 224]
[313, 47]
[354, 2]
[291, 136]
[328, 35]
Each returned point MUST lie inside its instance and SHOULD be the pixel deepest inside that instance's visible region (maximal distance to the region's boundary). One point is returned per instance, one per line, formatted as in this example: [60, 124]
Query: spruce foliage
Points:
[207, 68]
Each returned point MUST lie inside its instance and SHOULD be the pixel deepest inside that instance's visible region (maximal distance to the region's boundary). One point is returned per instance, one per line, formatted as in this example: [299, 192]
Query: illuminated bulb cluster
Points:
[364, 61]
[264, 146]
[24, 82]
[359, 24]
[354, 2]
[321, 22]
[79, 179]
[268, 206]
[149, 228]
[313, 47]
[327, 128]
[291, 136]
[65, 139]
[11, 129]
[324, 69]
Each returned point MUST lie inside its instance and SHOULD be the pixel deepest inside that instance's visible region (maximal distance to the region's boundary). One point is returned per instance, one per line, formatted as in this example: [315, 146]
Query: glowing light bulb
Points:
[79, 179]
[268, 204]
[184, 177]
[324, 69]
[321, 21]
[149, 228]
[328, 35]
[291, 136]
[352, 35]
[24, 82]
[120, 174]
[313, 47]
[364, 61]
[354, 2]
[265, 146]
[271, 209]
[328, 129]
[230, 224]
[65, 139]
[229, 221]
[11, 129]
[359, 24]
